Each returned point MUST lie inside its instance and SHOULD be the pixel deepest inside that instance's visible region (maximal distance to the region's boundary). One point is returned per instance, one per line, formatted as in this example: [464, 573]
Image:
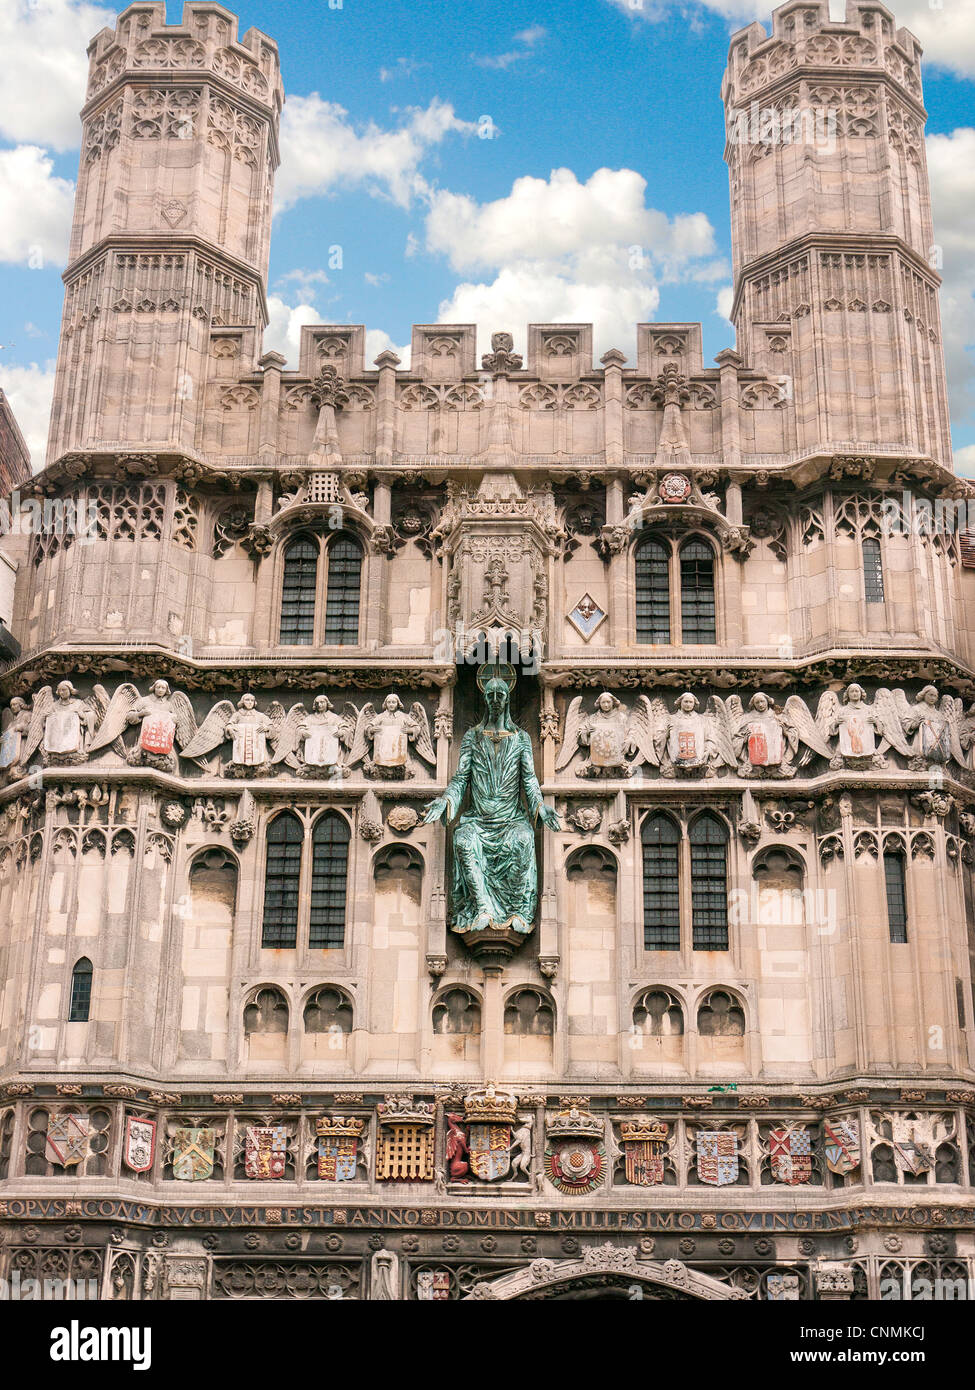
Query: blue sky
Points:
[385, 157]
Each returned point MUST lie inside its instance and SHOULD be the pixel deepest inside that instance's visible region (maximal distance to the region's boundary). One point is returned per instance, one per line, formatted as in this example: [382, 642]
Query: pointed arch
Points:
[299, 591]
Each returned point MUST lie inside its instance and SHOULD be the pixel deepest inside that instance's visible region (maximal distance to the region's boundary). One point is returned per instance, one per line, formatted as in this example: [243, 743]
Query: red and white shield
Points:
[158, 732]
[790, 1155]
[140, 1143]
[265, 1151]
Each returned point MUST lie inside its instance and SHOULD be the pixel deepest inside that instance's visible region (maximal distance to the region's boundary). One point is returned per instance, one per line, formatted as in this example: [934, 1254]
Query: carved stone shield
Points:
[489, 1147]
[337, 1157]
[158, 732]
[62, 731]
[644, 1161]
[265, 1151]
[717, 1156]
[841, 1144]
[139, 1147]
[433, 1285]
[913, 1145]
[782, 1288]
[193, 1153]
[790, 1154]
[67, 1139]
[575, 1166]
[390, 746]
[10, 746]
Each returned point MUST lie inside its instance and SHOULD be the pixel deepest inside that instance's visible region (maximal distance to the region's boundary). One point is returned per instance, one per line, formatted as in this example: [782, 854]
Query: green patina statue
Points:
[495, 878]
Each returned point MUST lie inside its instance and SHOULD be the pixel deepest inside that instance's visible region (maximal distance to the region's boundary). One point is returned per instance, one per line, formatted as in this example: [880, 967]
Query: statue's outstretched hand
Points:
[550, 817]
[437, 810]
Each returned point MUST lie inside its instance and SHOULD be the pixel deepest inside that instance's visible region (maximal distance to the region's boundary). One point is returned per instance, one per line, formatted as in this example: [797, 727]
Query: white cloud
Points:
[567, 251]
[946, 34]
[35, 208]
[377, 341]
[724, 301]
[542, 293]
[45, 68]
[560, 216]
[526, 39]
[965, 461]
[321, 151]
[283, 332]
[30, 391]
[951, 166]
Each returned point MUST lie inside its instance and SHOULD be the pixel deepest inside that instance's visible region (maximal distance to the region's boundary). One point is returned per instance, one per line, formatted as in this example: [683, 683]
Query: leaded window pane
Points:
[329, 872]
[652, 593]
[661, 884]
[873, 571]
[81, 978]
[298, 592]
[697, 593]
[282, 882]
[709, 884]
[896, 886]
[342, 599]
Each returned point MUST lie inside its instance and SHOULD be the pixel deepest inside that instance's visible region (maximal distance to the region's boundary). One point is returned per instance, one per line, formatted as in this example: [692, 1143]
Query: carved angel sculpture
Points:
[14, 728]
[390, 732]
[246, 728]
[935, 726]
[864, 730]
[766, 739]
[688, 742]
[313, 744]
[165, 718]
[618, 740]
[62, 725]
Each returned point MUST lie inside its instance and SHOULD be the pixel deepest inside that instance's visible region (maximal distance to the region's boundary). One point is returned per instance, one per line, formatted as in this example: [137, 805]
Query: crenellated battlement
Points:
[143, 45]
[805, 42]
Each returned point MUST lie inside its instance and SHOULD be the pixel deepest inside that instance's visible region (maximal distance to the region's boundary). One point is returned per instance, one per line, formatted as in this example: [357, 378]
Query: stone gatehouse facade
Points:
[243, 1053]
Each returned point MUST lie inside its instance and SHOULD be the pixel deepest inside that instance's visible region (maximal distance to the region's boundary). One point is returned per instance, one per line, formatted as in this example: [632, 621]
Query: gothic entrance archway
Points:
[610, 1272]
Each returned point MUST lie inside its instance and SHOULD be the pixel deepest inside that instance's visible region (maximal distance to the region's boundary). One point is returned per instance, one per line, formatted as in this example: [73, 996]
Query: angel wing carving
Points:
[284, 732]
[211, 733]
[41, 706]
[809, 730]
[827, 715]
[574, 720]
[184, 716]
[722, 722]
[953, 711]
[641, 731]
[891, 709]
[359, 720]
[115, 718]
[423, 743]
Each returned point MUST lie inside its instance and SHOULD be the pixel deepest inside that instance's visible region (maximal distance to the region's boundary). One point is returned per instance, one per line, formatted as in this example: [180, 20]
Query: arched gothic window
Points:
[873, 570]
[81, 978]
[709, 884]
[685, 883]
[329, 872]
[320, 592]
[282, 882]
[661, 884]
[675, 592]
[697, 616]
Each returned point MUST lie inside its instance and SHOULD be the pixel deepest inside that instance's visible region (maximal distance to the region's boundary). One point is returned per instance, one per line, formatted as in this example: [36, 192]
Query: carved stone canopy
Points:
[605, 1266]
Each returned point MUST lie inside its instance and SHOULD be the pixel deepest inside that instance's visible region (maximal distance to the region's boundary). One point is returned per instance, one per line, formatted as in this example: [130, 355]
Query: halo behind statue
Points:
[496, 670]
